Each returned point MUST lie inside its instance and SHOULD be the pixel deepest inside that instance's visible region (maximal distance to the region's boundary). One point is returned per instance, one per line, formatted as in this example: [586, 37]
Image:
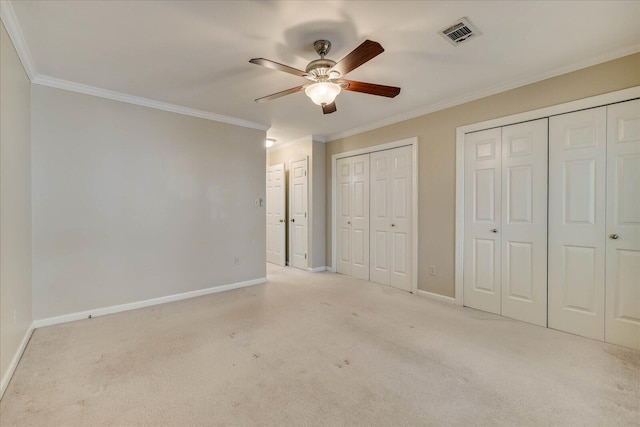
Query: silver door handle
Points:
[614, 236]
[293, 220]
[282, 220]
[494, 230]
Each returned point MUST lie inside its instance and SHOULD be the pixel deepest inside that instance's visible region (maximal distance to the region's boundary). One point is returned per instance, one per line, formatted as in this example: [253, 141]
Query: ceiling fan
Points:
[326, 75]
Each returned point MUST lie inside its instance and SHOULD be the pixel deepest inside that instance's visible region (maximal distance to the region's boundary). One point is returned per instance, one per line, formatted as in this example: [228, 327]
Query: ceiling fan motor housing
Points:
[319, 69]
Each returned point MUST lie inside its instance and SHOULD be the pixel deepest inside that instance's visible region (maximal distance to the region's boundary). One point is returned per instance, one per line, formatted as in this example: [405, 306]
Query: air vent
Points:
[459, 32]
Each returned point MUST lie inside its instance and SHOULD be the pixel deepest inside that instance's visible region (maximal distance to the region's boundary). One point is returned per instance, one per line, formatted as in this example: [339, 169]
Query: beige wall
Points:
[15, 205]
[132, 203]
[436, 135]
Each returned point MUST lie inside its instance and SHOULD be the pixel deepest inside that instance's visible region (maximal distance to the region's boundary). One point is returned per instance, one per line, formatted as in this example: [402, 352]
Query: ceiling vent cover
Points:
[460, 31]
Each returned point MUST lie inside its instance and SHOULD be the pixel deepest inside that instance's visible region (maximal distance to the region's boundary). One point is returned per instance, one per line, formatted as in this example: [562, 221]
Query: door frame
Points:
[541, 113]
[413, 142]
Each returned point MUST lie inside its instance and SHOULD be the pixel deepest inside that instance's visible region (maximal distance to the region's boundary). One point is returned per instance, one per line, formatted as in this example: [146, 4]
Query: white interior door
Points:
[482, 220]
[524, 221]
[391, 217]
[276, 215]
[360, 217]
[298, 237]
[622, 324]
[577, 176]
[343, 221]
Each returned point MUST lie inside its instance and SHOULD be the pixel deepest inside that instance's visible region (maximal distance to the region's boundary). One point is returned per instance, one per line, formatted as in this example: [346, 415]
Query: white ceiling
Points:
[196, 53]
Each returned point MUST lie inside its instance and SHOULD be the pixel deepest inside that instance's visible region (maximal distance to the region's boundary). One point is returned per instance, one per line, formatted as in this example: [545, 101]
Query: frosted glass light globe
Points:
[323, 92]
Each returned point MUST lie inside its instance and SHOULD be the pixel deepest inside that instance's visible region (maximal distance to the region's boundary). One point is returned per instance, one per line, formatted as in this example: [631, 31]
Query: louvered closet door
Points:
[482, 220]
[577, 182]
[622, 319]
[391, 217]
[353, 216]
[524, 222]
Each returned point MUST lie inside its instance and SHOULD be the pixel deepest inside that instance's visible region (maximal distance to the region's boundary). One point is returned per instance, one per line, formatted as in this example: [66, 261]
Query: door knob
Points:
[282, 220]
[614, 236]
[494, 230]
[349, 222]
[293, 220]
[393, 225]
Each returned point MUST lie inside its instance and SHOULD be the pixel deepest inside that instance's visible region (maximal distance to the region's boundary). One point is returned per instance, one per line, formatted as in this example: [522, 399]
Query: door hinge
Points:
[305, 256]
[305, 173]
[305, 214]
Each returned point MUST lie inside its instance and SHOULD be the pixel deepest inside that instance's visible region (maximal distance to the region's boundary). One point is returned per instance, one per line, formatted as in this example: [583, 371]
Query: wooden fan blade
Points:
[329, 108]
[358, 56]
[370, 88]
[277, 66]
[280, 94]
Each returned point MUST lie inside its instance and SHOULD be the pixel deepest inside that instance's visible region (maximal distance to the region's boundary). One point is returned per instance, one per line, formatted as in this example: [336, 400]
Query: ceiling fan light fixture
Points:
[323, 92]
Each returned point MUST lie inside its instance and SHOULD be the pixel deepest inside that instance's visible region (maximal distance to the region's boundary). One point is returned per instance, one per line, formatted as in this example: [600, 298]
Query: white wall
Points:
[132, 203]
[15, 208]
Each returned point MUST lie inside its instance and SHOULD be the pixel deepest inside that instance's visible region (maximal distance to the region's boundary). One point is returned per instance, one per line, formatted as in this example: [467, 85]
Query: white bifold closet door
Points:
[391, 217]
[577, 176]
[352, 220]
[622, 311]
[505, 248]
[594, 223]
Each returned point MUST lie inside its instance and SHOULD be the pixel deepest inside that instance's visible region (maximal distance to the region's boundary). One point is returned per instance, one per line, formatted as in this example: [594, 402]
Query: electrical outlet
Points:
[236, 260]
[432, 270]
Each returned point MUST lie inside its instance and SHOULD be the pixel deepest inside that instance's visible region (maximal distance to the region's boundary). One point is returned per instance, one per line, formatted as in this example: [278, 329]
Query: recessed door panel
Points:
[519, 277]
[580, 191]
[622, 322]
[520, 194]
[577, 176]
[484, 266]
[484, 200]
[580, 280]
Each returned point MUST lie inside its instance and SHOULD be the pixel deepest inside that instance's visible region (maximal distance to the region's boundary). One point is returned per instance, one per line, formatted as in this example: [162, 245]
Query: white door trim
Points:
[581, 104]
[413, 142]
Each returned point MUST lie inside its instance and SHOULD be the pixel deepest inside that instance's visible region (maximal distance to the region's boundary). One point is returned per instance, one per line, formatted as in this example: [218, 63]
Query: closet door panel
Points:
[401, 242]
[483, 218]
[360, 217]
[622, 318]
[343, 220]
[577, 179]
[380, 217]
[524, 222]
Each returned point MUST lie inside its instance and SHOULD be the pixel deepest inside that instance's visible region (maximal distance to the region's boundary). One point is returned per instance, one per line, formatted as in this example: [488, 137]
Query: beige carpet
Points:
[318, 349]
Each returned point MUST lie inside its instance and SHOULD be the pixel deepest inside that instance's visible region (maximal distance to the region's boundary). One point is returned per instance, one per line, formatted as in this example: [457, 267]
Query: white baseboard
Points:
[318, 269]
[145, 303]
[436, 296]
[14, 362]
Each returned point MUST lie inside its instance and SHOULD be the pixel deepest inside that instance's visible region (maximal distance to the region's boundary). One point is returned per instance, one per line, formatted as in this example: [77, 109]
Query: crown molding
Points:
[145, 102]
[10, 21]
[608, 56]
